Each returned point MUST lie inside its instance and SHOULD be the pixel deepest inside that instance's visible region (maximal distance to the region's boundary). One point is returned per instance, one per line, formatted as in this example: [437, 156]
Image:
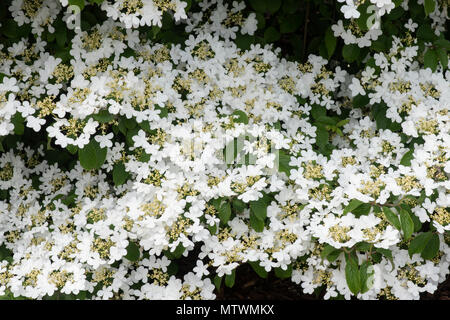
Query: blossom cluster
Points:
[363, 19]
[229, 157]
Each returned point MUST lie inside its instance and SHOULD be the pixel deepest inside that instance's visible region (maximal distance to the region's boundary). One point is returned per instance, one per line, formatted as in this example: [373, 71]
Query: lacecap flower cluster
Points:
[225, 156]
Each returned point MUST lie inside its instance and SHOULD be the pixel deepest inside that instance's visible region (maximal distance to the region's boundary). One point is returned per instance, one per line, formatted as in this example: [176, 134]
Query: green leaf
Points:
[260, 271]
[330, 42]
[431, 59]
[352, 205]
[11, 30]
[352, 275]
[432, 248]
[290, 6]
[103, 116]
[255, 223]
[407, 157]
[392, 217]
[239, 205]
[342, 123]
[283, 274]
[272, 6]
[271, 35]
[387, 253]
[406, 223]
[230, 278]
[175, 254]
[283, 162]
[363, 246]
[240, 117]
[414, 218]
[259, 209]
[419, 243]
[350, 52]
[290, 24]
[17, 120]
[362, 210]
[442, 43]
[360, 101]
[225, 212]
[443, 57]
[258, 5]
[133, 253]
[383, 122]
[92, 156]
[72, 148]
[330, 253]
[61, 36]
[366, 274]
[425, 32]
[429, 5]
[322, 137]
[318, 111]
[244, 41]
[326, 121]
[172, 268]
[120, 175]
[78, 3]
[217, 281]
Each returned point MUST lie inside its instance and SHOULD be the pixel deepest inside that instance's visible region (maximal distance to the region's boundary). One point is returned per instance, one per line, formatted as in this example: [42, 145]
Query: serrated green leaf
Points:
[92, 156]
[260, 271]
[322, 137]
[387, 253]
[224, 212]
[103, 116]
[443, 58]
[120, 175]
[419, 243]
[362, 210]
[407, 225]
[407, 157]
[283, 274]
[290, 24]
[352, 205]
[366, 274]
[217, 282]
[255, 223]
[350, 52]
[330, 253]
[271, 35]
[442, 43]
[432, 247]
[430, 59]
[78, 3]
[230, 279]
[258, 5]
[18, 122]
[240, 116]
[429, 5]
[133, 253]
[283, 162]
[259, 209]
[392, 217]
[352, 275]
[330, 42]
[239, 205]
[272, 6]
[363, 246]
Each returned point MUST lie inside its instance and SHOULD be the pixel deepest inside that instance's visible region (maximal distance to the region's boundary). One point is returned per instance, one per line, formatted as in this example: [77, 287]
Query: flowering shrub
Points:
[139, 132]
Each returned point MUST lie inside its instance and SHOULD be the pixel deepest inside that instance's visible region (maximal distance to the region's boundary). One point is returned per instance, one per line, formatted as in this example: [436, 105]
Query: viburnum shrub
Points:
[305, 138]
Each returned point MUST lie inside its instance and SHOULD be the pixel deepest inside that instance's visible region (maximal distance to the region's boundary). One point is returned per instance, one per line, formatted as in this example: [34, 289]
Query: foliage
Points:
[307, 138]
